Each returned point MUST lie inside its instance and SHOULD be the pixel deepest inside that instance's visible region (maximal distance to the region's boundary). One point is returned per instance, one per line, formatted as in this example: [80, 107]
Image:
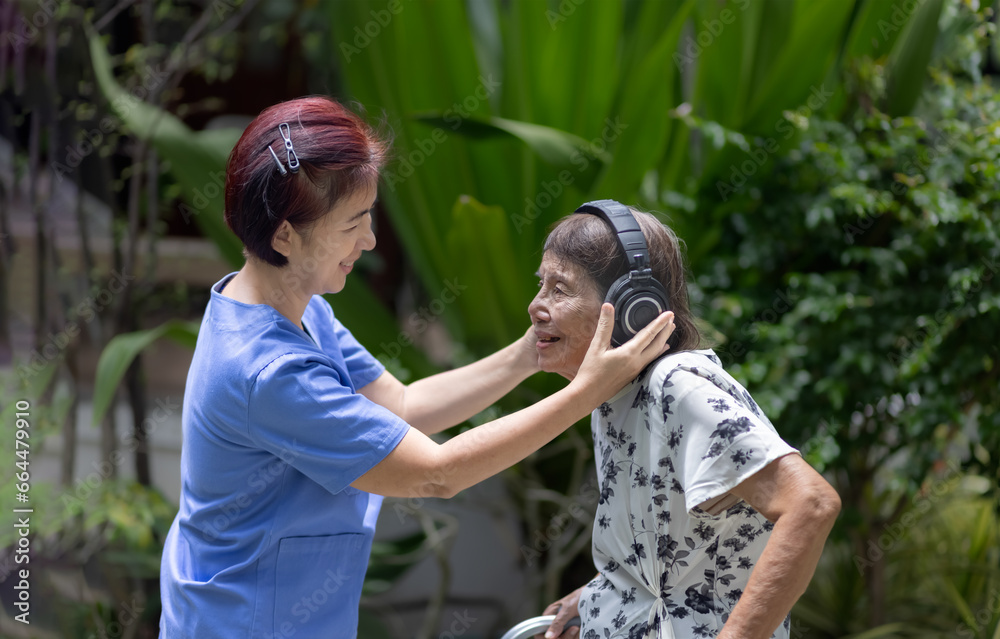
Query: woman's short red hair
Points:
[338, 155]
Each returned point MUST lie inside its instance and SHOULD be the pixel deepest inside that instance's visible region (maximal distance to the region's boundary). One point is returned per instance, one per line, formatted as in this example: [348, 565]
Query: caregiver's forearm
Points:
[441, 401]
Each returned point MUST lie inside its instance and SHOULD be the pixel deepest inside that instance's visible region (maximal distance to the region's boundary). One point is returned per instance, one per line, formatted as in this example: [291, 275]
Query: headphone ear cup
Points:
[618, 290]
[635, 307]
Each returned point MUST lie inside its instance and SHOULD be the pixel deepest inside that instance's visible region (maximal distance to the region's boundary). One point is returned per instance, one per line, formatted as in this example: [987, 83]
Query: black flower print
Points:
[730, 429]
[704, 531]
[699, 600]
[639, 549]
[667, 463]
[674, 439]
[611, 434]
[642, 399]
[604, 522]
[640, 478]
[740, 457]
[605, 410]
[715, 450]
[606, 494]
[748, 532]
[712, 549]
[752, 405]
[628, 597]
[745, 563]
[665, 547]
[736, 544]
[619, 621]
[656, 483]
[738, 509]
[718, 404]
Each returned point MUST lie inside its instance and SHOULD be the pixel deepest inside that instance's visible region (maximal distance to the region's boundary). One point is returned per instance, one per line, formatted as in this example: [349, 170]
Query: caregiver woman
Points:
[708, 524]
[293, 431]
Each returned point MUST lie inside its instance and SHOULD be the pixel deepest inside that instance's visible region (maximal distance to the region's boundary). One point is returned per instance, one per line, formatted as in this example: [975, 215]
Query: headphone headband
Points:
[626, 229]
[637, 296]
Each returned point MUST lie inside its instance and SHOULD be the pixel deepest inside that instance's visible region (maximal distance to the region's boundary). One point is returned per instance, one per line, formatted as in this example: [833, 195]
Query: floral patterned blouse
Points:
[673, 548]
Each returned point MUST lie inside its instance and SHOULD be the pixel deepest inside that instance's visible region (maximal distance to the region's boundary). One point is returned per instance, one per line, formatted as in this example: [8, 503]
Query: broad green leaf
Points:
[907, 66]
[561, 150]
[494, 298]
[801, 66]
[876, 29]
[645, 122]
[118, 355]
[716, 49]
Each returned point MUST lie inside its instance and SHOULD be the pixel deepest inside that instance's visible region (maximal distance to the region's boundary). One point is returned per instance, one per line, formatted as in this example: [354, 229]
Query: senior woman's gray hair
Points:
[588, 242]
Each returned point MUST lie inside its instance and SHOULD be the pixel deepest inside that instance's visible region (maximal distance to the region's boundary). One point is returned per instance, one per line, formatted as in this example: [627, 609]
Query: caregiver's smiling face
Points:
[564, 314]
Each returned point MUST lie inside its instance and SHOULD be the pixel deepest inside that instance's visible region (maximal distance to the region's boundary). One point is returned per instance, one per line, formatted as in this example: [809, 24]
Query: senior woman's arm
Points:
[441, 401]
[803, 507]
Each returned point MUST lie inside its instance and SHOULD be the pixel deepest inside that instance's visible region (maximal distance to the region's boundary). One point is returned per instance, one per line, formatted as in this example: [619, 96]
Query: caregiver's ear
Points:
[284, 238]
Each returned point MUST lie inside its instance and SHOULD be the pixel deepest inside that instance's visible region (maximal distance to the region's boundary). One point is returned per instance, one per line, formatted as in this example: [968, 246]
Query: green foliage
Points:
[122, 350]
[943, 559]
[854, 283]
[862, 271]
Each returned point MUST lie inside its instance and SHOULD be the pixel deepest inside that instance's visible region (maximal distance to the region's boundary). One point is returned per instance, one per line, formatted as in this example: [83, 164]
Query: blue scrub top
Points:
[270, 539]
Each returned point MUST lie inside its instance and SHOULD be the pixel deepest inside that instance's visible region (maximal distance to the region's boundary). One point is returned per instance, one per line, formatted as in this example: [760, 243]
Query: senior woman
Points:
[708, 524]
[293, 432]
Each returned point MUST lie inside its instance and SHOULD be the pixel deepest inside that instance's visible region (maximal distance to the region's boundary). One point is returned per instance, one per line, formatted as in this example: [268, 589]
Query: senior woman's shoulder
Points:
[691, 361]
[691, 368]
[679, 374]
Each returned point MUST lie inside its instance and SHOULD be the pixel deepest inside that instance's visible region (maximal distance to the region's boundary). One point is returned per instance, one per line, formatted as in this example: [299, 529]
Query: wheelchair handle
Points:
[536, 625]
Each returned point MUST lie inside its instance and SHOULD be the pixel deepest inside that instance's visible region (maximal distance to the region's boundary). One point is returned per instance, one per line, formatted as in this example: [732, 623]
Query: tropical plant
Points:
[509, 115]
[942, 566]
[653, 111]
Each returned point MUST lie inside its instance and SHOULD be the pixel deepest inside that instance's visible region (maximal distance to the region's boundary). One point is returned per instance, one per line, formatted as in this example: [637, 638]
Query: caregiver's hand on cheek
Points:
[527, 354]
[605, 370]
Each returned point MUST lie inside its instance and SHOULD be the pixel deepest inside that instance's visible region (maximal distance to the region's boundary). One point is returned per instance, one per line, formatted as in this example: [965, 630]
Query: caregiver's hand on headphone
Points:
[605, 369]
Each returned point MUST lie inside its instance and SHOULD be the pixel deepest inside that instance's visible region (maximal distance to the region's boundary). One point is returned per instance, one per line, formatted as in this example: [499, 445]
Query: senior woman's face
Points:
[564, 314]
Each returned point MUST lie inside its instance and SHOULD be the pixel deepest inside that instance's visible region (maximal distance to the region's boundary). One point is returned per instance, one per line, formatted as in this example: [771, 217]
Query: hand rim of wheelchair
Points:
[535, 625]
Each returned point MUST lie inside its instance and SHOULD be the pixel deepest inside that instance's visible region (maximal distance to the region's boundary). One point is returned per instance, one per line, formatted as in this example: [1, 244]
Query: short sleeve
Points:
[725, 442]
[301, 411]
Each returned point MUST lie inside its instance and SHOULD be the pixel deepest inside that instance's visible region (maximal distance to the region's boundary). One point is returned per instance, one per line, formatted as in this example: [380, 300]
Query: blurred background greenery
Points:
[831, 164]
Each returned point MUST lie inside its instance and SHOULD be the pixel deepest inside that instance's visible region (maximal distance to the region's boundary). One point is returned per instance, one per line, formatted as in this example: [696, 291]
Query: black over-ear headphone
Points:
[637, 296]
